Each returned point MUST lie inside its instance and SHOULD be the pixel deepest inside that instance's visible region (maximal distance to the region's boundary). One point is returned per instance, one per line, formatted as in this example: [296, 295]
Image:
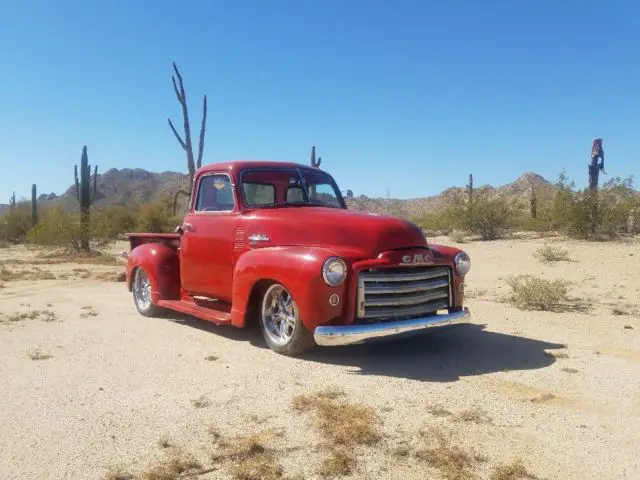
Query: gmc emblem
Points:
[417, 259]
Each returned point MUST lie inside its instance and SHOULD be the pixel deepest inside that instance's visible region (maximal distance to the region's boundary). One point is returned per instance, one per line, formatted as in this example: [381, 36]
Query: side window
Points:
[259, 193]
[215, 194]
[323, 192]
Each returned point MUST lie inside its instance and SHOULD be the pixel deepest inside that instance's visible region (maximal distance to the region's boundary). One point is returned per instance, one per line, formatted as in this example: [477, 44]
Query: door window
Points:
[215, 194]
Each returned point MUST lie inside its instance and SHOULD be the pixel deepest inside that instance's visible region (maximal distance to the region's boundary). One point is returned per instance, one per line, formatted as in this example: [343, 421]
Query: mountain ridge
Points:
[136, 186]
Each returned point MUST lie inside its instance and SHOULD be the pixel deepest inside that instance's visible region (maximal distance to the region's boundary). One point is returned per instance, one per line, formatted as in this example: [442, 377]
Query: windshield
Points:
[289, 187]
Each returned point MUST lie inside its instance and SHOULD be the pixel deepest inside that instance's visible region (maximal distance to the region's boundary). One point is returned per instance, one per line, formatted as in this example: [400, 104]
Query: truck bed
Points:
[169, 239]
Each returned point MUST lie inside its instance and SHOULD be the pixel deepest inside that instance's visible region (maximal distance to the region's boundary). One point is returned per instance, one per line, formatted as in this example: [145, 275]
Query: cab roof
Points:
[239, 165]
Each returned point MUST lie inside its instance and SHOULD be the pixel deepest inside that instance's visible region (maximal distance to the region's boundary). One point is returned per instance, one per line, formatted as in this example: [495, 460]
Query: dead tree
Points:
[185, 142]
[594, 167]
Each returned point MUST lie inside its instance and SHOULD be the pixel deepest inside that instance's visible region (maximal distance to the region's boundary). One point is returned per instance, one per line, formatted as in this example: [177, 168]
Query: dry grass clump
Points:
[511, 471]
[549, 254]
[43, 315]
[35, 273]
[453, 462]
[544, 398]
[88, 311]
[339, 421]
[173, 467]
[458, 236]
[250, 456]
[201, 402]
[439, 411]
[343, 425]
[532, 293]
[338, 462]
[37, 354]
[473, 415]
[570, 370]
[118, 473]
[561, 355]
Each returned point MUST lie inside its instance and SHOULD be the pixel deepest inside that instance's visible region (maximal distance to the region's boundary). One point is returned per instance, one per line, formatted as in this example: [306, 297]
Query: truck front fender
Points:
[162, 266]
[299, 269]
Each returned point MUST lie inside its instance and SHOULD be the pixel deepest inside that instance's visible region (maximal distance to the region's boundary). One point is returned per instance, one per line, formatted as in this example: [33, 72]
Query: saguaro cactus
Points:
[34, 206]
[470, 189]
[85, 196]
[12, 200]
[534, 203]
[312, 161]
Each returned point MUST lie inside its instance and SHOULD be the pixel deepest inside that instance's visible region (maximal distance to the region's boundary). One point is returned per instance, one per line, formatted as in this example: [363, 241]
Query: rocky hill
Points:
[134, 187]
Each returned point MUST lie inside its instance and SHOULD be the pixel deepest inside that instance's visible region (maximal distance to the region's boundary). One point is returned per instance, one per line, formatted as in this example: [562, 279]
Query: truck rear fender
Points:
[299, 269]
[161, 264]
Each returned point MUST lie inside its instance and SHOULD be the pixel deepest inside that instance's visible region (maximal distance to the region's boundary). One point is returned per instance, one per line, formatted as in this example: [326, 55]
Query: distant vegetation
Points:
[612, 211]
[491, 213]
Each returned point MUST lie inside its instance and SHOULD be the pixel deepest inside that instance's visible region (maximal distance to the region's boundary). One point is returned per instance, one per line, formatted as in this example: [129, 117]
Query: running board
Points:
[191, 308]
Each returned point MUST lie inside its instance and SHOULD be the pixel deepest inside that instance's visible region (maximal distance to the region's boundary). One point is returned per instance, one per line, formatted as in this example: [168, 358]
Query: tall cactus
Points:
[34, 206]
[534, 203]
[85, 196]
[470, 189]
[12, 200]
[313, 162]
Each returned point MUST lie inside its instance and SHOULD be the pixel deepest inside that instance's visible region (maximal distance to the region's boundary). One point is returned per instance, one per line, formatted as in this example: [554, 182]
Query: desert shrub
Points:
[157, 217]
[15, 223]
[112, 221]
[550, 254]
[601, 215]
[532, 293]
[56, 227]
[490, 217]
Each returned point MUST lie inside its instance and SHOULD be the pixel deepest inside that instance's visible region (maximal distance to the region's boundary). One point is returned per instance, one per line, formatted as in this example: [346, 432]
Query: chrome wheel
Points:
[279, 315]
[142, 290]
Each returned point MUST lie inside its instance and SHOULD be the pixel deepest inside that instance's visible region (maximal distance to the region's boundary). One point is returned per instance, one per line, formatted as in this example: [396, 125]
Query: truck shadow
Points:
[443, 355]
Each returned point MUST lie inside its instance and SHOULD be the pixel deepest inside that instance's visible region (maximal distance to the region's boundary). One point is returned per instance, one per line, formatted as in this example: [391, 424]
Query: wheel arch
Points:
[298, 269]
[161, 264]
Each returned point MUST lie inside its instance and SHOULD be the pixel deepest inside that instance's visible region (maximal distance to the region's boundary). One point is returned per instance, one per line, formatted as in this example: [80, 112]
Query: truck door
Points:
[206, 247]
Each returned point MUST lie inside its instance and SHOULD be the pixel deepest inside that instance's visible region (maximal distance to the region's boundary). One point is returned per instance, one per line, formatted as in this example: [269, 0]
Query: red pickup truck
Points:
[274, 242]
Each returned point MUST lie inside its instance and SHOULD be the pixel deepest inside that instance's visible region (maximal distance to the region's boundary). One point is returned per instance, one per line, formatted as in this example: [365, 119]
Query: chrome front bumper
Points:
[329, 336]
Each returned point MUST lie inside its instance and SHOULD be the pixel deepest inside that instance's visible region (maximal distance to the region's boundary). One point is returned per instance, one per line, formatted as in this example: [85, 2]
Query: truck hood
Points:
[346, 231]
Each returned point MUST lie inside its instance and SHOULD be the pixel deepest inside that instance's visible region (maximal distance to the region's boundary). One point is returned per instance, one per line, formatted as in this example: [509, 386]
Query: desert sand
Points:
[89, 385]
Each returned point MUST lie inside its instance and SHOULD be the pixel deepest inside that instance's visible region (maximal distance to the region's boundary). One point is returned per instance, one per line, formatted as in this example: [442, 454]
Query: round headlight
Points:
[334, 271]
[463, 263]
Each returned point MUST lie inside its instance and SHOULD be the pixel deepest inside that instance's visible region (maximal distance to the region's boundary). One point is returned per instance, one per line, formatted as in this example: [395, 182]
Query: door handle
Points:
[187, 227]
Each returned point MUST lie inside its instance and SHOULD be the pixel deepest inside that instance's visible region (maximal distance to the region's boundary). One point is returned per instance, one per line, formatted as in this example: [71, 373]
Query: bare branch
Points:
[175, 199]
[175, 87]
[202, 130]
[175, 132]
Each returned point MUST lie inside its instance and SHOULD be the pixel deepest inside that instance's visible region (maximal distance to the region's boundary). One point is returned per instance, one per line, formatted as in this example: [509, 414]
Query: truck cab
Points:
[274, 243]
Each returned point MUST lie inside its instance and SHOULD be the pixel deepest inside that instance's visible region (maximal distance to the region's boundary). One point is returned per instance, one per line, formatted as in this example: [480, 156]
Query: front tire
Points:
[141, 290]
[280, 323]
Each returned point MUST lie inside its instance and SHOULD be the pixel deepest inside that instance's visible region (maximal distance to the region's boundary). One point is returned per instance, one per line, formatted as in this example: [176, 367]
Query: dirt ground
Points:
[89, 386]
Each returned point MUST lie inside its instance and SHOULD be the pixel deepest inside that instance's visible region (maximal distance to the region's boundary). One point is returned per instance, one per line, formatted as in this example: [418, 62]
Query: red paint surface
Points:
[213, 256]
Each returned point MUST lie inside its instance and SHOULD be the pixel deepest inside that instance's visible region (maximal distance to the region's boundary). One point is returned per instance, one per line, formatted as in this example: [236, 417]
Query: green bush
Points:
[110, 222]
[15, 223]
[56, 228]
[157, 217]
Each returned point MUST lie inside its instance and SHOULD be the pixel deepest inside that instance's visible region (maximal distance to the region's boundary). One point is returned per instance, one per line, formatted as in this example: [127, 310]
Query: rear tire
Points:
[141, 289]
[280, 323]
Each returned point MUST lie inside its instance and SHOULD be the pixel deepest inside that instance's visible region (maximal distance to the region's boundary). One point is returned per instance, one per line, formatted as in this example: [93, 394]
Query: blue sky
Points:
[408, 96]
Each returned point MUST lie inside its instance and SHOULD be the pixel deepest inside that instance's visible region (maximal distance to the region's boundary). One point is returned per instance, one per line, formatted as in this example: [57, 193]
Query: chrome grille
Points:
[402, 292]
